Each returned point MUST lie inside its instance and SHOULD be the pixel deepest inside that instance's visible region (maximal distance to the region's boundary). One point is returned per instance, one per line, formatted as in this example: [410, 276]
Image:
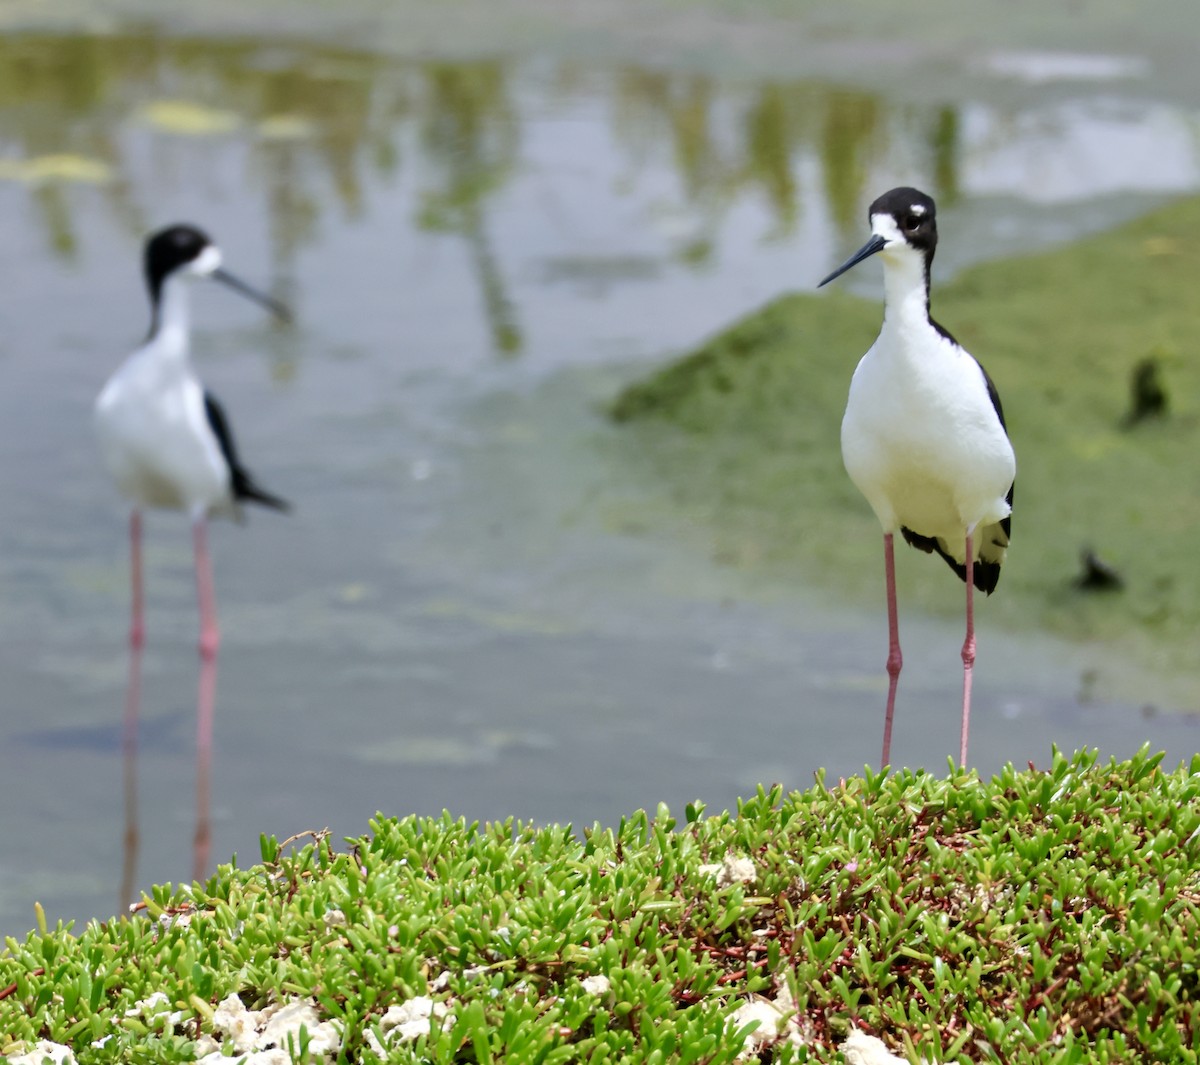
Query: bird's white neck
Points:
[169, 329]
[906, 291]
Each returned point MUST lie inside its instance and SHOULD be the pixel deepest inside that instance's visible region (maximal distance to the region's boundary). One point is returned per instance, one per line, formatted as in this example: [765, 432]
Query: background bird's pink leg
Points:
[133, 698]
[210, 640]
[968, 649]
[894, 660]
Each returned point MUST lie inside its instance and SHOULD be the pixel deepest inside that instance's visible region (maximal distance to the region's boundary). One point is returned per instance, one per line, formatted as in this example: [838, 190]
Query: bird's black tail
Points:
[986, 574]
[245, 490]
[243, 485]
[993, 539]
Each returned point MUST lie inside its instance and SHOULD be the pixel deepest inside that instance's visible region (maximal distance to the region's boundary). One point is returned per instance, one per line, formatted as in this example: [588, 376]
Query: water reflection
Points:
[469, 132]
[315, 116]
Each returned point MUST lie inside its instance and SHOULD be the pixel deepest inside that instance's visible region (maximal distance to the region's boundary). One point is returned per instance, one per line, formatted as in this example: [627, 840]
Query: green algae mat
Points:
[1044, 916]
[743, 434]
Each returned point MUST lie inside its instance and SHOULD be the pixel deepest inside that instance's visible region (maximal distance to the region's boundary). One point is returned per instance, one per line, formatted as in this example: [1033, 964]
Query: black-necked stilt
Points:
[167, 443]
[923, 436]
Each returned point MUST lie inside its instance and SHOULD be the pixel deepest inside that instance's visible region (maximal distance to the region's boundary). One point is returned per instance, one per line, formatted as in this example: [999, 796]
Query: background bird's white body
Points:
[167, 443]
[154, 435]
[921, 438]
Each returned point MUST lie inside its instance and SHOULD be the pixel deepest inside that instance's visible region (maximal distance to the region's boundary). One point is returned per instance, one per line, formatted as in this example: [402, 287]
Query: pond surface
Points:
[474, 606]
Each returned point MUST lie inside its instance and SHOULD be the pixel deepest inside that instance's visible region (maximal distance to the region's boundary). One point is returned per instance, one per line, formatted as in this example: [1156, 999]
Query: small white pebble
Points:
[324, 1037]
[734, 869]
[156, 1011]
[154, 1003]
[56, 1052]
[737, 871]
[235, 1023]
[596, 985]
[259, 1057]
[335, 919]
[262, 1035]
[862, 1049]
[174, 920]
[411, 1019]
[784, 1001]
[771, 1025]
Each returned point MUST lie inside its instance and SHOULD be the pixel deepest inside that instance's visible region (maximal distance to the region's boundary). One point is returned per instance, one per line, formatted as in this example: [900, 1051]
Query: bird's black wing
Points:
[943, 331]
[245, 489]
[994, 396]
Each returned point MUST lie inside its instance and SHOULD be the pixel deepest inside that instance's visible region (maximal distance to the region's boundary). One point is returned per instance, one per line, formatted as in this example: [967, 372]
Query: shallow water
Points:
[476, 605]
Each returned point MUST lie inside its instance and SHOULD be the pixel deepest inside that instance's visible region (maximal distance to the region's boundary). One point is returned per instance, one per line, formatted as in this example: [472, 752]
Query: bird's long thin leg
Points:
[210, 640]
[968, 648]
[894, 660]
[133, 698]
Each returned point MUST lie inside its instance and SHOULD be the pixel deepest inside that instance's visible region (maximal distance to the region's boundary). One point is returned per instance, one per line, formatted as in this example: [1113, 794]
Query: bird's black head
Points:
[913, 213]
[184, 249]
[175, 248]
[903, 222]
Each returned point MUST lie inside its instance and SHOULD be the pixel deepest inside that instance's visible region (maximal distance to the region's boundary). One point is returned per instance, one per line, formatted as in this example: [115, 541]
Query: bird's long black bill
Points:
[876, 243]
[261, 298]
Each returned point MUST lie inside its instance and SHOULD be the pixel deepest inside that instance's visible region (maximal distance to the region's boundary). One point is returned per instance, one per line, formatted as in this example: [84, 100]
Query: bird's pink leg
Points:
[210, 640]
[968, 649]
[894, 660]
[133, 698]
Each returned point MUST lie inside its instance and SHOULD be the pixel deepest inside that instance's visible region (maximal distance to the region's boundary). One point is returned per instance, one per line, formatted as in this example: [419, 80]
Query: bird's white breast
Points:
[155, 438]
[921, 438]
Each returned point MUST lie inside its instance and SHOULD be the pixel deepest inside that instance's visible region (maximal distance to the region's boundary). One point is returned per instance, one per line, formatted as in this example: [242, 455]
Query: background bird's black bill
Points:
[261, 298]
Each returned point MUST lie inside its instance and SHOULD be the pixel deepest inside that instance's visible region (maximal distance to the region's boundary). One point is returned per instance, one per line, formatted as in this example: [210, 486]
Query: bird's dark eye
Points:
[912, 221]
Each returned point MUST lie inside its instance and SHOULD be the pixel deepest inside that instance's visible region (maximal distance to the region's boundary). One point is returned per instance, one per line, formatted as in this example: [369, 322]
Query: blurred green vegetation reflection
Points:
[319, 121]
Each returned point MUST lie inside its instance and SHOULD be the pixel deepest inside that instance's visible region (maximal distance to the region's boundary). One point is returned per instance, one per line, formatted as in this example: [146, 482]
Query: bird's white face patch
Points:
[884, 225]
[206, 262]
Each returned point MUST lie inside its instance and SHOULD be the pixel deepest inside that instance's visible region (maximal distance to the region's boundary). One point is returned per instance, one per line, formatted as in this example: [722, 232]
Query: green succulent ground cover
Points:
[1041, 916]
[744, 432]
